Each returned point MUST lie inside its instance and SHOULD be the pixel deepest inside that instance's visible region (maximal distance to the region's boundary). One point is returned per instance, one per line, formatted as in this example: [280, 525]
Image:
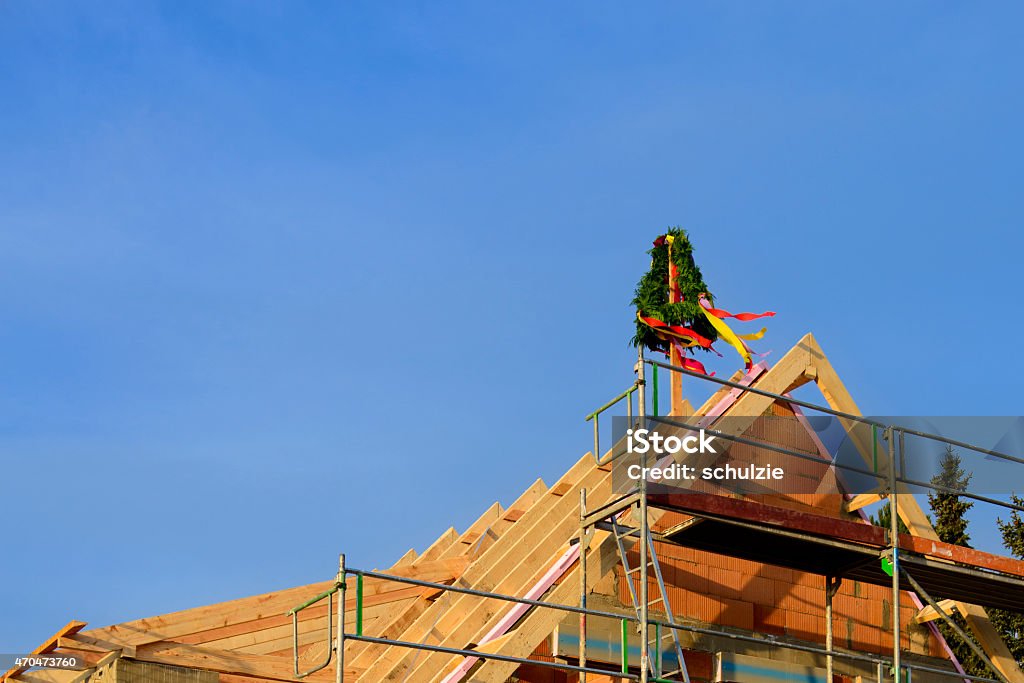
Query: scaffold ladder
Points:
[655, 641]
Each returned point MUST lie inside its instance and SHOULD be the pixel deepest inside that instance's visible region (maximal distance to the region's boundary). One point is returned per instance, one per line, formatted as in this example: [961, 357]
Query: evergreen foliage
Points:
[1011, 624]
[651, 296]
[950, 522]
[949, 509]
[884, 518]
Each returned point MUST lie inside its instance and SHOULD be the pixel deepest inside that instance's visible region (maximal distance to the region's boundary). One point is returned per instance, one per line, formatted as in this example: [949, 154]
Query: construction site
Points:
[591, 579]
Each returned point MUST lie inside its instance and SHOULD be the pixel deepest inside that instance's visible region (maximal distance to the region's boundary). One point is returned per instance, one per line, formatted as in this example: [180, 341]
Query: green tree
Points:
[1011, 624]
[949, 515]
[884, 518]
[948, 509]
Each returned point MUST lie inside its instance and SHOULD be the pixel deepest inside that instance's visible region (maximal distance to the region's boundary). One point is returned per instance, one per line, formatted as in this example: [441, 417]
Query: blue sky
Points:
[283, 280]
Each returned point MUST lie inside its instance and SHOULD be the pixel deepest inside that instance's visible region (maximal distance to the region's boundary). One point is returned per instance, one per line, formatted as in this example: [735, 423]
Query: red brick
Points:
[758, 590]
[803, 626]
[769, 620]
[698, 664]
[785, 596]
[724, 583]
[865, 637]
[703, 607]
[777, 573]
[738, 614]
[689, 578]
[849, 606]
[715, 560]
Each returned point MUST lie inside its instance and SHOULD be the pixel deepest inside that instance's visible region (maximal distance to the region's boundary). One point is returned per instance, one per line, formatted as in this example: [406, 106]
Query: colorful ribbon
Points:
[677, 331]
[729, 336]
[743, 317]
[691, 364]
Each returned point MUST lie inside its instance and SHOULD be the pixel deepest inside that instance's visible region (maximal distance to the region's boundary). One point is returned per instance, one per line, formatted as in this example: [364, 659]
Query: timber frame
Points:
[507, 553]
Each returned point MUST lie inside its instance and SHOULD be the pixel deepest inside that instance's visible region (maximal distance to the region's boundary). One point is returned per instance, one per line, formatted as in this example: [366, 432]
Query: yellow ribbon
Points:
[754, 336]
[728, 335]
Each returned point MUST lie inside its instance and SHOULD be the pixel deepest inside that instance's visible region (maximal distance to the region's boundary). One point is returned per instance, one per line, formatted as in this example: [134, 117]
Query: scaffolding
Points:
[979, 580]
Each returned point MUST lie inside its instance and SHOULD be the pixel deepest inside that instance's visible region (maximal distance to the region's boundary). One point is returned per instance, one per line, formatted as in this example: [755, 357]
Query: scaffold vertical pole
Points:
[641, 412]
[894, 542]
[831, 588]
[339, 643]
[583, 584]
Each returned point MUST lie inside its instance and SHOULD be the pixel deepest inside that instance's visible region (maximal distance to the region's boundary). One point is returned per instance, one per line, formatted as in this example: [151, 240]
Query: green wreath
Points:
[651, 298]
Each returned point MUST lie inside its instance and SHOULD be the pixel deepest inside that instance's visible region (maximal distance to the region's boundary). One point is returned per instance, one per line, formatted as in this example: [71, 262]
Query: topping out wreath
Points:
[675, 309]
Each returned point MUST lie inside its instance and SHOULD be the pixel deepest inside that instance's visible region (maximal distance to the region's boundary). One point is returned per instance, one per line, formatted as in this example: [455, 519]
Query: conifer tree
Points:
[1011, 624]
[949, 518]
[949, 510]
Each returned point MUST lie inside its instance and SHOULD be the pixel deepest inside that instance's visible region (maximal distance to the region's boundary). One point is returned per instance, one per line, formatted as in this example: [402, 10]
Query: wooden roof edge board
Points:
[47, 645]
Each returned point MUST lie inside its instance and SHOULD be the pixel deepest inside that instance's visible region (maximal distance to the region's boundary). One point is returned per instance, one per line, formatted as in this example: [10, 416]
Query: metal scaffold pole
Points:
[339, 645]
[832, 584]
[894, 542]
[583, 584]
[641, 412]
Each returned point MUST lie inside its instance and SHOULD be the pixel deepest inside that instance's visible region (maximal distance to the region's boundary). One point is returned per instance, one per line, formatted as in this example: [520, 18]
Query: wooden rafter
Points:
[49, 645]
[786, 375]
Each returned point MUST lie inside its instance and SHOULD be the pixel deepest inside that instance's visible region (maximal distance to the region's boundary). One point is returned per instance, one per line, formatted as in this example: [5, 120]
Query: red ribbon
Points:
[744, 317]
[694, 366]
[654, 323]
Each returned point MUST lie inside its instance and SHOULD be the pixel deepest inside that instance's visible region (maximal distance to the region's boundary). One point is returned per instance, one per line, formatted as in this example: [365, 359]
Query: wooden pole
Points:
[675, 379]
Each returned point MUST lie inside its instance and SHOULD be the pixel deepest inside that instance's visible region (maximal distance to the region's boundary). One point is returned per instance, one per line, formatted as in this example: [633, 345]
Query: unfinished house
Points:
[699, 586]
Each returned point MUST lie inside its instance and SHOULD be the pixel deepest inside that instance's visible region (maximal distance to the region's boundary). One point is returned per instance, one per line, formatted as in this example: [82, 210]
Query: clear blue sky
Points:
[283, 280]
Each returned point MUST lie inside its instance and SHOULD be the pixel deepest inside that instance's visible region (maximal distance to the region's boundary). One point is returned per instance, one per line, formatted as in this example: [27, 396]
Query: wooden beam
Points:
[505, 567]
[489, 526]
[515, 573]
[81, 641]
[603, 557]
[862, 501]
[267, 606]
[928, 612]
[46, 676]
[268, 667]
[495, 645]
[48, 645]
